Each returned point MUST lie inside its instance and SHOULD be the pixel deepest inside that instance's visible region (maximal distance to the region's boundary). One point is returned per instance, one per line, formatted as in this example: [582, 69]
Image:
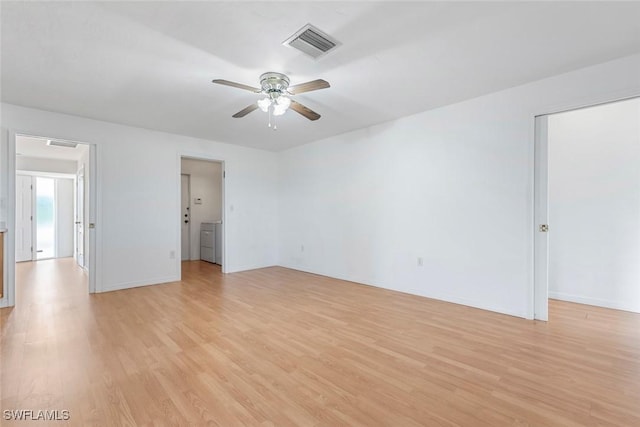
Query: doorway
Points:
[587, 207]
[54, 188]
[44, 215]
[202, 211]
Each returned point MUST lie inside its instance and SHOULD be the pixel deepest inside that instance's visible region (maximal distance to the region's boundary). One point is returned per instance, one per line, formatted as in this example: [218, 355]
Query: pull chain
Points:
[275, 127]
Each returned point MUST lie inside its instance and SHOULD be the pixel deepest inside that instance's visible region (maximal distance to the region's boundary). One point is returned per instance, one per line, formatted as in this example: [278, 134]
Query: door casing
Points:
[539, 296]
[209, 158]
[95, 235]
[79, 220]
[185, 209]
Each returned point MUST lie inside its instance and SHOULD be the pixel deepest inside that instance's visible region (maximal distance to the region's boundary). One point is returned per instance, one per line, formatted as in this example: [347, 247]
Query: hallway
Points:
[48, 282]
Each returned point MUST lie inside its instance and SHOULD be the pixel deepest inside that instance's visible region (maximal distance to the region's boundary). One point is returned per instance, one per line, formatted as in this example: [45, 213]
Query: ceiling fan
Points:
[278, 93]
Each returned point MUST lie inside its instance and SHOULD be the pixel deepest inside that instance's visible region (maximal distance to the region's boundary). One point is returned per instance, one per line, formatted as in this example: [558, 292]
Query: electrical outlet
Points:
[172, 254]
[420, 262]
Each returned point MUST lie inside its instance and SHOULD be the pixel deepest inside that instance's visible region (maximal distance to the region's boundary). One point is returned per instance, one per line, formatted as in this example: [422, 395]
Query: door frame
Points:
[79, 214]
[181, 217]
[539, 296]
[541, 216]
[95, 235]
[207, 158]
[34, 208]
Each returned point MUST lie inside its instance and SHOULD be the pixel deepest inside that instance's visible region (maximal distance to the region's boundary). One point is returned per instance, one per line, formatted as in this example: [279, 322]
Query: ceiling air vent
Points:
[312, 41]
[66, 144]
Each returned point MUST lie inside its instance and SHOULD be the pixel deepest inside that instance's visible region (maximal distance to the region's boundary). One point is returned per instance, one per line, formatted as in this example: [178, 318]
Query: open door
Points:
[541, 217]
[24, 218]
[79, 223]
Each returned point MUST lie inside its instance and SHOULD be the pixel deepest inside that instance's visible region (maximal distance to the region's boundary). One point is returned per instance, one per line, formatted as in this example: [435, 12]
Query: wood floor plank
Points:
[277, 347]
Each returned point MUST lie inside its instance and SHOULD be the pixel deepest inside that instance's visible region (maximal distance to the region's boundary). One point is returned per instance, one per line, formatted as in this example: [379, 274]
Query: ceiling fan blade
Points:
[305, 111]
[245, 111]
[308, 86]
[238, 85]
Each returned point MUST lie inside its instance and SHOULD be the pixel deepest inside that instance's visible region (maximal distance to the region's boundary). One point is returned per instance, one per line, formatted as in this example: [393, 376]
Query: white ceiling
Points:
[29, 146]
[149, 64]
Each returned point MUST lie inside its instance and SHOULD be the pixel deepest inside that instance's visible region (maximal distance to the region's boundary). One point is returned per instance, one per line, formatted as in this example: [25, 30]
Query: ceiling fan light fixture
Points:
[278, 110]
[283, 102]
[277, 92]
[264, 104]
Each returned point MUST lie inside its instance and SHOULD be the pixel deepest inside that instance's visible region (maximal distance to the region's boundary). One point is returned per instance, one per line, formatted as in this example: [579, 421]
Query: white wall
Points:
[594, 205]
[138, 173]
[453, 186]
[64, 217]
[206, 183]
[37, 164]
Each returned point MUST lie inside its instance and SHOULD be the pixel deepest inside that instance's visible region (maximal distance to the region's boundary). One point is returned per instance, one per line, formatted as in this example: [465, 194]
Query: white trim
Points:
[596, 101]
[137, 284]
[5, 290]
[249, 267]
[540, 309]
[189, 217]
[441, 296]
[8, 299]
[621, 95]
[79, 175]
[209, 158]
[545, 111]
[46, 174]
[95, 234]
[34, 218]
[95, 260]
[618, 305]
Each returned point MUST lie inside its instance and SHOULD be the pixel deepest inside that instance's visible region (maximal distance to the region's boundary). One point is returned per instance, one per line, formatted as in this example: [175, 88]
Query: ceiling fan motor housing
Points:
[274, 84]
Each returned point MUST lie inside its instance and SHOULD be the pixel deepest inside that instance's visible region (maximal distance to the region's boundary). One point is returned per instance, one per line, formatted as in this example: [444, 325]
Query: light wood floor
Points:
[276, 347]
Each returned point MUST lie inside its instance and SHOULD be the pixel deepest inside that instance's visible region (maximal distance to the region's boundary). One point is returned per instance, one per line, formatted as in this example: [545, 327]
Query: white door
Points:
[79, 223]
[24, 218]
[185, 216]
[541, 218]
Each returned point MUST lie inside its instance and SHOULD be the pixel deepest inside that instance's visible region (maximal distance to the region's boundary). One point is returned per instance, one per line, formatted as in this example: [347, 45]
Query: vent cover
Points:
[66, 144]
[312, 41]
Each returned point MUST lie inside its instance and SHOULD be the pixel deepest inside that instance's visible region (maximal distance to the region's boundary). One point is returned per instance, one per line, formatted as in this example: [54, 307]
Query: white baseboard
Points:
[618, 305]
[239, 269]
[137, 284]
[440, 297]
